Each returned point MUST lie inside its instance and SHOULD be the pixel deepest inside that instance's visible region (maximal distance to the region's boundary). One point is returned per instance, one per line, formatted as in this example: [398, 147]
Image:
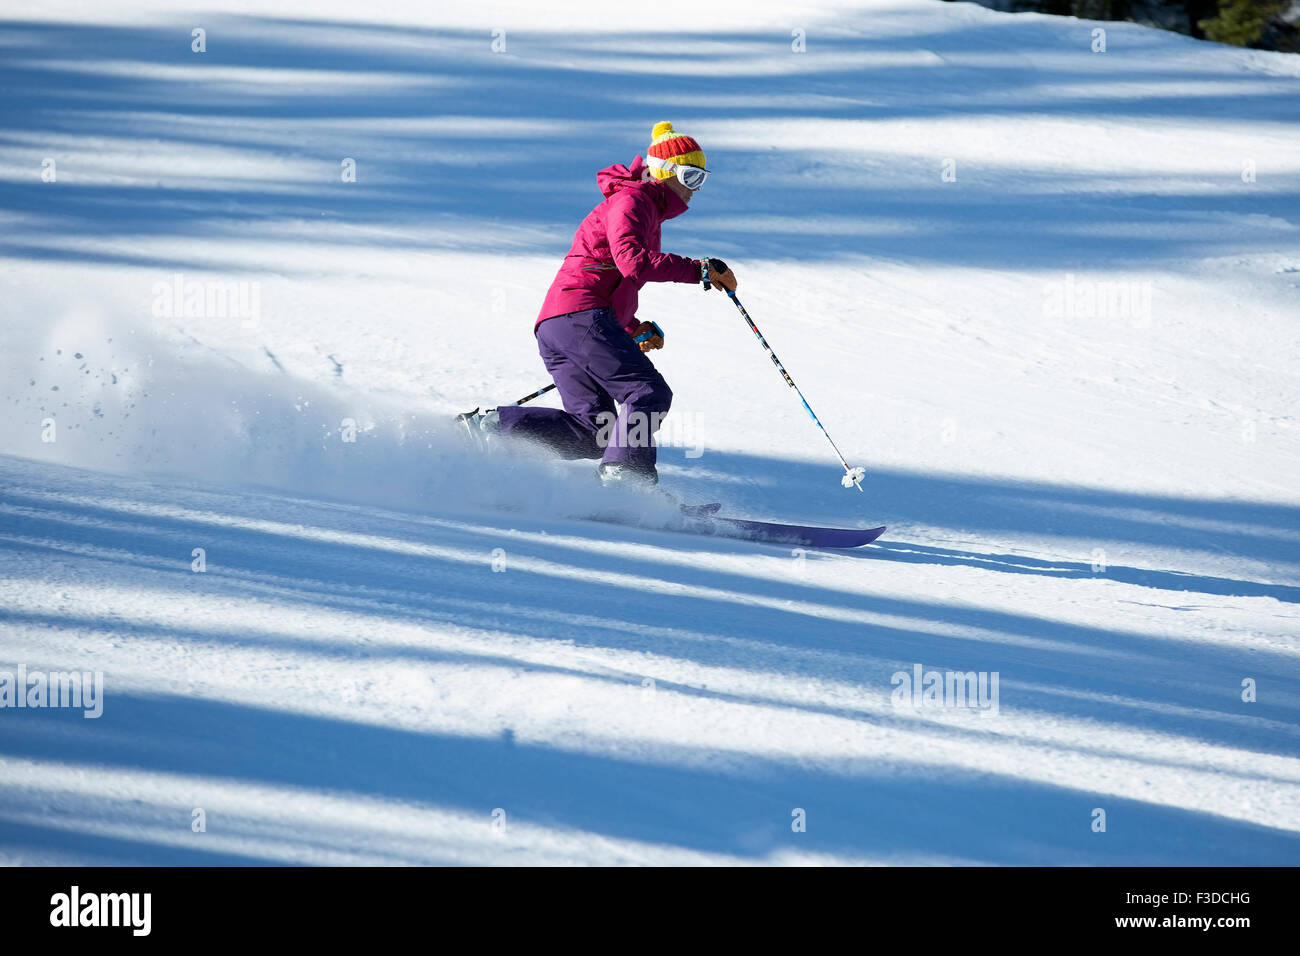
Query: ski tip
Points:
[874, 533]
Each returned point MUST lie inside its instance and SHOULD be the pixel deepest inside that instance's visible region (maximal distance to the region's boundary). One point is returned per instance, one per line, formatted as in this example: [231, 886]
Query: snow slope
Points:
[380, 664]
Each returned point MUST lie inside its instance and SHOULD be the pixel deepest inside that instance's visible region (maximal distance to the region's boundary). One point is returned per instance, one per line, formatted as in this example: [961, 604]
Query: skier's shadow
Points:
[909, 553]
[1054, 518]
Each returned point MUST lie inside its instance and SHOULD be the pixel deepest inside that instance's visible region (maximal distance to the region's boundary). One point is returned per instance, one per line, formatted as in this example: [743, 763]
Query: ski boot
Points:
[616, 474]
[480, 427]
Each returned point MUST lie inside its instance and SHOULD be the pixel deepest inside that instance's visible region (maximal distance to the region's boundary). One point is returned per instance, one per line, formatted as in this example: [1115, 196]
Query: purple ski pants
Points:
[595, 364]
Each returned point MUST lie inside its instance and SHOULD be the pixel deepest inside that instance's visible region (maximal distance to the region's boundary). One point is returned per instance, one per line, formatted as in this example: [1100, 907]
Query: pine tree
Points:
[1242, 22]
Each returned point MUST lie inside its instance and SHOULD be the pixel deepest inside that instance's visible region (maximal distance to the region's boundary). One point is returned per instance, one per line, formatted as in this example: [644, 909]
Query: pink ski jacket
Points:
[616, 249]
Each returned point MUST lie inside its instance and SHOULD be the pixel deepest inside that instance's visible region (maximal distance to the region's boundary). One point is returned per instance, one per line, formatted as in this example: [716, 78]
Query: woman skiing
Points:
[588, 333]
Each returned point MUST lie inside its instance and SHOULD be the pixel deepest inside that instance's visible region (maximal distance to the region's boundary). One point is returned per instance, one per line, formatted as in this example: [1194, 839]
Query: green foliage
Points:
[1242, 22]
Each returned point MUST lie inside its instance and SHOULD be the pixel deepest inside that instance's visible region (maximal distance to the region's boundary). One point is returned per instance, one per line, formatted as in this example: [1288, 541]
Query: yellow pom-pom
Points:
[660, 129]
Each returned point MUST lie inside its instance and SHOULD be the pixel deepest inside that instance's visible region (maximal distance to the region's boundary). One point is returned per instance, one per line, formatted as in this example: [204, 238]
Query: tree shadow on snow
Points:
[774, 623]
[433, 119]
[866, 811]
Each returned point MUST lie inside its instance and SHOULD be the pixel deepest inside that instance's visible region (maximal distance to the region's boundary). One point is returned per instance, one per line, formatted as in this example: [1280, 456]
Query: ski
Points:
[775, 533]
[703, 520]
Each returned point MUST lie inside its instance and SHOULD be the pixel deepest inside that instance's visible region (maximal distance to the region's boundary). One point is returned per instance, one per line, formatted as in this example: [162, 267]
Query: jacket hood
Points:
[616, 177]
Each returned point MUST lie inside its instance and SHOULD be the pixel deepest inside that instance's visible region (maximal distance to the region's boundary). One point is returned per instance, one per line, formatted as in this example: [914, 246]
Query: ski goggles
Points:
[692, 177]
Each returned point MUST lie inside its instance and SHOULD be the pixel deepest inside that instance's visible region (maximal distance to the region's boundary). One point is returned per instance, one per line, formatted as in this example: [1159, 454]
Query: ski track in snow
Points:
[392, 640]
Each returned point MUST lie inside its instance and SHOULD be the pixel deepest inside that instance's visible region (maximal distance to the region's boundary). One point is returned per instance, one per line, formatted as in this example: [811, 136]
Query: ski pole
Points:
[852, 475]
[541, 391]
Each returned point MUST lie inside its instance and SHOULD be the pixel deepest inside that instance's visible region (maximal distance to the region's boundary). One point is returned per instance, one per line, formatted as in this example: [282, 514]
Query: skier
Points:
[588, 333]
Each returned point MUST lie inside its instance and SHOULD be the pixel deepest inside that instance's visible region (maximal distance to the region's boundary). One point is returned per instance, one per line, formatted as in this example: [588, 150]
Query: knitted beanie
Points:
[671, 146]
